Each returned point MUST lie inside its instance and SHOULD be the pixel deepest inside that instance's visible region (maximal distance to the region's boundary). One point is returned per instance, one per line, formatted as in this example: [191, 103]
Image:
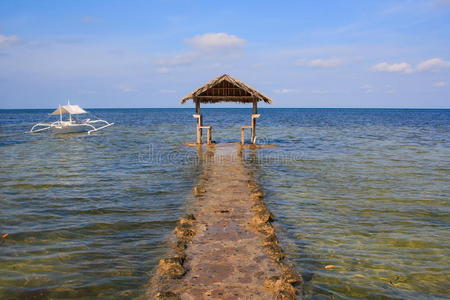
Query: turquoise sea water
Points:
[361, 198]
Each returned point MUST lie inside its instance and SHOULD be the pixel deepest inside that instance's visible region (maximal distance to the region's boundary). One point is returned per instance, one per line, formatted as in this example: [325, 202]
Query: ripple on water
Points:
[366, 220]
[364, 192]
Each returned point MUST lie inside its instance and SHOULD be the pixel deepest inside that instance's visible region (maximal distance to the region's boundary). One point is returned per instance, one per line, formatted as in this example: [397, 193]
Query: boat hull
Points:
[74, 128]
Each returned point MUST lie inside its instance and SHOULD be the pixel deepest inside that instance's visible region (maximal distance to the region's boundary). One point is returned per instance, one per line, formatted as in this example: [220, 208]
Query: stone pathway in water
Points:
[230, 249]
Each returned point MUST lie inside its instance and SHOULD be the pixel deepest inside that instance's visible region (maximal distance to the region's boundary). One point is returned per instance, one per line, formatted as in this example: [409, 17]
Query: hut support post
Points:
[199, 122]
[209, 135]
[255, 112]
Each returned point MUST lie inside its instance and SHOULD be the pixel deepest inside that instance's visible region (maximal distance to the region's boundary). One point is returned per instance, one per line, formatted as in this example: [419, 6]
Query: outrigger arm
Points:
[98, 128]
[41, 129]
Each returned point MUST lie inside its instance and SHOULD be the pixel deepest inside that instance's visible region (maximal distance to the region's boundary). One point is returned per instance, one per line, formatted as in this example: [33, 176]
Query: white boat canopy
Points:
[69, 109]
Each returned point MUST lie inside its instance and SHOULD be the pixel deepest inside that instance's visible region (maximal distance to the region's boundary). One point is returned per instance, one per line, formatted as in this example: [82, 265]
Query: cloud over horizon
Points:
[216, 42]
[284, 91]
[6, 41]
[321, 62]
[432, 64]
[208, 46]
[440, 84]
[396, 67]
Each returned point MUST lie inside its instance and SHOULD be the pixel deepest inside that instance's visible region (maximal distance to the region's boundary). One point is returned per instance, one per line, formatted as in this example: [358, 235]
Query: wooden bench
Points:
[200, 127]
[208, 133]
[253, 129]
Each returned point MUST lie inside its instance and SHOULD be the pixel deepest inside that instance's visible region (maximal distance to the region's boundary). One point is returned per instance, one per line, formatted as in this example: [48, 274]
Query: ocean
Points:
[360, 196]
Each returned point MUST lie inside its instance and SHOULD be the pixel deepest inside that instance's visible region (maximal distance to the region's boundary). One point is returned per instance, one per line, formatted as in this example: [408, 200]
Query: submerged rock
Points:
[181, 245]
[281, 288]
[265, 228]
[171, 267]
[285, 295]
[263, 216]
[290, 275]
[167, 296]
[257, 195]
[181, 256]
[275, 251]
[271, 239]
[198, 190]
[189, 217]
[185, 229]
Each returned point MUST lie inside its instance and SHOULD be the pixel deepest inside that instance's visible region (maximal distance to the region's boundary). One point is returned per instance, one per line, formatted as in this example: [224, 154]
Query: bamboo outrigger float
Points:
[225, 89]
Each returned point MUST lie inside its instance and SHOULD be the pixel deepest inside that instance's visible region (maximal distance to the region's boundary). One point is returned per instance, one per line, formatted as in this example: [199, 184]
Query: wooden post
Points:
[197, 106]
[255, 111]
[200, 130]
[253, 130]
[209, 135]
[199, 122]
[242, 135]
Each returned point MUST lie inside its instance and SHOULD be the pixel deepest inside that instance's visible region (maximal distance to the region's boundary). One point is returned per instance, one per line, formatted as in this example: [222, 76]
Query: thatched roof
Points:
[226, 89]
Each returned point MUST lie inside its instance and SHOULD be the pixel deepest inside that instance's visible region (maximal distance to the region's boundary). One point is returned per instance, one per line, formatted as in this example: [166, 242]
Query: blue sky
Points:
[151, 53]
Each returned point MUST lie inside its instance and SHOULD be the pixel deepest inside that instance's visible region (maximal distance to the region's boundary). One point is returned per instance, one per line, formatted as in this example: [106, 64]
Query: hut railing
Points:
[253, 129]
[200, 128]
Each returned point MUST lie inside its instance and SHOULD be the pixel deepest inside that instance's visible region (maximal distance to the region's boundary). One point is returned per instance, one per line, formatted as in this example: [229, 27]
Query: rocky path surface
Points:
[227, 248]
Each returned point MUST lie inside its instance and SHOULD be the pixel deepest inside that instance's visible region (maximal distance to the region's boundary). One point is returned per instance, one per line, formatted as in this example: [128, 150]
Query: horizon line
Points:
[263, 107]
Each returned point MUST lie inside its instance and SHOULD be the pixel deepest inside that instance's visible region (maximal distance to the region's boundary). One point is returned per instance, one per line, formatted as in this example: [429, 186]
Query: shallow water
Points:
[365, 191]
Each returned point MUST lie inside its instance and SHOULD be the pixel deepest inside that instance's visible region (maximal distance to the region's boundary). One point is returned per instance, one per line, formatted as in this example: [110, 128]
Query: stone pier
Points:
[226, 247]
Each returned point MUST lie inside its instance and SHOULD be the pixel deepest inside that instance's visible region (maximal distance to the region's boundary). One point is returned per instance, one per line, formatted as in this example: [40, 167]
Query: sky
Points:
[381, 54]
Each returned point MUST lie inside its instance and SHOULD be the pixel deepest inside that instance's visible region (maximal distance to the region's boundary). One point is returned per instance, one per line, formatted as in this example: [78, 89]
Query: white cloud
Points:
[216, 41]
[284, 91]
[440, 84]
[125, 88]
[321, 62]
[6, 41]
[396, 67]
[208, 46]
[433, 64]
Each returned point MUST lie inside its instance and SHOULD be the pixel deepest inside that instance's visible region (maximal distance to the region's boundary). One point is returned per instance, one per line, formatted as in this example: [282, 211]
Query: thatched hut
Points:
[225, 89]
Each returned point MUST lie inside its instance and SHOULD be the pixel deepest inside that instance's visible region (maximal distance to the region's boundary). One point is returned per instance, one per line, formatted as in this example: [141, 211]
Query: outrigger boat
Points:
[73, 124]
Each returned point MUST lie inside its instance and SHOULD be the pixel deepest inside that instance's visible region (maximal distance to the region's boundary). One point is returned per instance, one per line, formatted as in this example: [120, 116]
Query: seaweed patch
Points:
[284, 285]
[172, 268]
